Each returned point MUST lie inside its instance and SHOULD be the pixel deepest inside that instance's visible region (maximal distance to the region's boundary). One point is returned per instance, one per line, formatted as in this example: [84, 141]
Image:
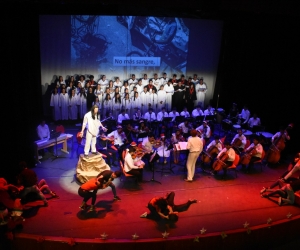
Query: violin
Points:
[220, 162]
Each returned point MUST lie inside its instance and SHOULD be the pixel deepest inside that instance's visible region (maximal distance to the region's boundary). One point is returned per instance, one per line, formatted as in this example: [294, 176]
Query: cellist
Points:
[239, 141]
[255, 151]
[282, 133]
[226, 157]
[214, 144]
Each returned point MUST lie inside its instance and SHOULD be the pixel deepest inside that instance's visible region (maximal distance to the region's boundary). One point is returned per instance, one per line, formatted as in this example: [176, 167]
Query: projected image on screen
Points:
[130, 43]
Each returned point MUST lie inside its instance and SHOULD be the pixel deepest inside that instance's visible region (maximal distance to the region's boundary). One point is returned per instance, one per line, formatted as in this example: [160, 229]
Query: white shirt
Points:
[129, 163]
[161, 115]
[118, 138]
[185, 113]
[214, 144]
[197, 112]
[194, 144]
[245, 114]
[150, 117]
[258, 148]
[43, 131]
[230, 152]
[184, 128]
[254, 122]
[122, 117]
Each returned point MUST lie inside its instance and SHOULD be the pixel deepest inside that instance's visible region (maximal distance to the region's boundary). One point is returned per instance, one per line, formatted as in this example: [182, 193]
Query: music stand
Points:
[209, 117]
[55, 135]
[152, 163]
[126, 122]
[180, 119]
[199, 118]
[170, 169]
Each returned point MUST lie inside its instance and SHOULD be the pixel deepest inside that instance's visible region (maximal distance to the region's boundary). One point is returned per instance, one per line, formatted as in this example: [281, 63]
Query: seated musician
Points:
[239, 141]
[142, 129]
[226, 156]
[129, 165]
[244, 116]
[185, 127]
[255, 151]
[138, 115]
[162, 149]
[139, 153]
[254, 121]
[197, 111]
[217, 144]
[43, 133]
[160, 117]
[177, 137]
[205, 130]
[148, 145]
[173, 114]
[185, 113]
[209, 111]
[130, 132]
[120, 142]
[233, 113]
[282, 133]
[123, 116]
[150, 117]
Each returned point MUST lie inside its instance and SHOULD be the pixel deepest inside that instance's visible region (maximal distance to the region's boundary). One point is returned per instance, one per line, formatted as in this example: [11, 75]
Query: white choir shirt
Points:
[103, 83]
[197, 112]
[161, 115]
[139, 88]
[156, 83]
[145, 82]
[164, 81]
[150, 117]
[93, 125]
[230, 152]
[118, 138]
[258, 148]
[118, 84]
[43, 132]
[185, 113]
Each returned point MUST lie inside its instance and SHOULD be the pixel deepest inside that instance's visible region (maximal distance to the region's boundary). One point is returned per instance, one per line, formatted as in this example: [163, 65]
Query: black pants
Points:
[86, 195]
[137, 172]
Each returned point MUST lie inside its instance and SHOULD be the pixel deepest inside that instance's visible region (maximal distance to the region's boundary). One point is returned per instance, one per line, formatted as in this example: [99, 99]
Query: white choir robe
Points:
[116, 108]
[156, 83]
[144, 101]
[200, 93]
[122, 90]
[82, 106]
[169, 92]
[135, 103]
[164, 81]
[161, 99]
[103, 83]
[73, 109]
[55, 104]
[139, 88]
[118, 84]
[145, 82]
[64, 100]
[107, 106]
[126, 104]
[153, 101]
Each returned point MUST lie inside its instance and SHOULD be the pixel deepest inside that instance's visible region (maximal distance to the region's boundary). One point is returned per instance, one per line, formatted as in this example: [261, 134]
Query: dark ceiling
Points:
[187, 8]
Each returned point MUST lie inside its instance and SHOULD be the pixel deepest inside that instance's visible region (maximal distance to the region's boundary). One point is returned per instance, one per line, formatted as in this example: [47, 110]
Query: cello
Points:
[220, 162]
[274, 152]
[207, 155]
[245, 159]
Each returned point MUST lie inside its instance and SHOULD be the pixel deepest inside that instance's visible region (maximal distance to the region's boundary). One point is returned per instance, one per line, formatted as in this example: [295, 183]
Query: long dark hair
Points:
[92, 111]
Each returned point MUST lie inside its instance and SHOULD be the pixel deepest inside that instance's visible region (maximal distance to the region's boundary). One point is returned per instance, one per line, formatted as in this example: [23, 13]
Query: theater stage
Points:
[229, 213]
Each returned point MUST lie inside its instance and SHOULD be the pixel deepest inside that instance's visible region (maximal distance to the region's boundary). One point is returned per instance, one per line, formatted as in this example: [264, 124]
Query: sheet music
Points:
[181, 145]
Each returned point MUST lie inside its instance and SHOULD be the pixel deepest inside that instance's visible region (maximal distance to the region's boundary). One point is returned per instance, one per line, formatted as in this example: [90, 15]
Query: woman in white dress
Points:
[63, 102]
[73, 109]
[118, 83]
[55, 104]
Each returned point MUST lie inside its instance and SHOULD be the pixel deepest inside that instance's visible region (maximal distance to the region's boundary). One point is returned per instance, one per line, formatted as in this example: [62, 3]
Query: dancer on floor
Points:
[164, 208]
[89, 189]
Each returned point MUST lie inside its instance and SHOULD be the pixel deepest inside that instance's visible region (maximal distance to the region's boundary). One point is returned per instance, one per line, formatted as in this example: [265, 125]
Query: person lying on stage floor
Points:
[132, 167]
[292, 174]
[286, 193]
[88, 190]
[28, 182]
[164, 208]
